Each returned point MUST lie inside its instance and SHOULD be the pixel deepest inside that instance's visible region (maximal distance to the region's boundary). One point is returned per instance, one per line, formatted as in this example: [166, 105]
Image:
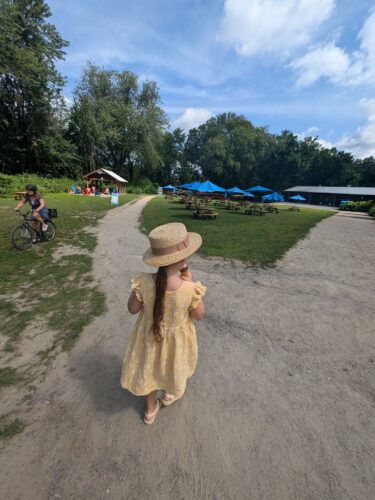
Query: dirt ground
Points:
[281, 405]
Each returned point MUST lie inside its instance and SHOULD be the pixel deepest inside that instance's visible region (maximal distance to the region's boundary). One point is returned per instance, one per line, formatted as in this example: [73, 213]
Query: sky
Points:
[303, 65]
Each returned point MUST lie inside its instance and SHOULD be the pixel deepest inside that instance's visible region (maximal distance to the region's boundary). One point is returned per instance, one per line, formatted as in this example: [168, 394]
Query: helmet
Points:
[31, 187]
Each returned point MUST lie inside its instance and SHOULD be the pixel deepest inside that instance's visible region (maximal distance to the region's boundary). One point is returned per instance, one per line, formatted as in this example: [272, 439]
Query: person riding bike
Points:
[38, 205]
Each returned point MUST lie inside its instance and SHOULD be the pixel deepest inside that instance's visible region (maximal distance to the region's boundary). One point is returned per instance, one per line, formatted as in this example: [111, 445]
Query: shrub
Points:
[372, 211]
[142, 186]
[13, 183]
[358, 206]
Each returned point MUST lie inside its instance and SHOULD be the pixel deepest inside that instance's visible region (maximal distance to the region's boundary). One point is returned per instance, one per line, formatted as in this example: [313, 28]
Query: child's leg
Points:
[151, 401]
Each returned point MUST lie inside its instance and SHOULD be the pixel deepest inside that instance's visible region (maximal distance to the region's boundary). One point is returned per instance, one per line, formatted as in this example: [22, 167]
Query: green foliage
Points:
[372, 211]
[358, 206]
[31, 105]
[143, 186]
[117, 122]
[14, 183]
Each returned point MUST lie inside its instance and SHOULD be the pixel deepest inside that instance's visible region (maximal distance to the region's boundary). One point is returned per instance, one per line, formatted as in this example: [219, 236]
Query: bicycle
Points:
[23, 235]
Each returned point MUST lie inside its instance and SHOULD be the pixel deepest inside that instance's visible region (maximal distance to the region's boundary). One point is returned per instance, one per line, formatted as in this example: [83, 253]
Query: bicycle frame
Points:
[26, 223]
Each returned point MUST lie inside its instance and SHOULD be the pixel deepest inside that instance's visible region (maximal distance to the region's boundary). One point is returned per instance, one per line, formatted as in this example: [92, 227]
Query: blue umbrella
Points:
[258, 189]
[236, 190]
[273, 197]
[169, 187]
[195, 185]
[297, 197]
[209, 187]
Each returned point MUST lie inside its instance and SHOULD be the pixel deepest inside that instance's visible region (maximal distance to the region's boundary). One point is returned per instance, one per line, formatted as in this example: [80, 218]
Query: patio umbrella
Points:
[258, 189]
[273, 197]
[170, 187]
[236, 190]
[297, 197]
[209, 187]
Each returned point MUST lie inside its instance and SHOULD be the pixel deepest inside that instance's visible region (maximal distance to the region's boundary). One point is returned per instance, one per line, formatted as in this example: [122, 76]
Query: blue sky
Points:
[303, 65]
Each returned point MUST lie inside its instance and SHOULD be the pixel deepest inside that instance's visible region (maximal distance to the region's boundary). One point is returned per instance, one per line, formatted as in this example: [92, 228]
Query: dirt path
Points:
[281, 405]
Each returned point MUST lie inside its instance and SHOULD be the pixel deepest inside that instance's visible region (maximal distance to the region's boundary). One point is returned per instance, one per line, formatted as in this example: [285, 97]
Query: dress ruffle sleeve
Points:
[136, 284]
[198, 292]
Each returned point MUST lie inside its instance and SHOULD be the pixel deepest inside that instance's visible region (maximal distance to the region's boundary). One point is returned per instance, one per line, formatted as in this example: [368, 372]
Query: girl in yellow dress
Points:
[162, 350]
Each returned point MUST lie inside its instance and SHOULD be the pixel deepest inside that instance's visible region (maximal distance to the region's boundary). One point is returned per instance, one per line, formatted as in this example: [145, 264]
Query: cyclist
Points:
[38, 205]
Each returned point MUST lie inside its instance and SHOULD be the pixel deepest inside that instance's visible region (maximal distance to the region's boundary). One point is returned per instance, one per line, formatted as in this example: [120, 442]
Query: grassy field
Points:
[44, 291]
[257, 240]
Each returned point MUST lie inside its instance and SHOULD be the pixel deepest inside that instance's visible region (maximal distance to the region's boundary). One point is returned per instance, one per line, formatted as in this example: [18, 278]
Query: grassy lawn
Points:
[257, 240]
[46, 292]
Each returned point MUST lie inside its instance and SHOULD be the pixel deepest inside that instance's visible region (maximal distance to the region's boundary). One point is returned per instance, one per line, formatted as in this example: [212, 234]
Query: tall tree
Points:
[118, 122]
[30, 85]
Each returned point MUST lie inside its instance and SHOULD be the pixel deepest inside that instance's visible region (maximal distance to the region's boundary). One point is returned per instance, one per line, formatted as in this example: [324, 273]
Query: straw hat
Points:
[170, 243]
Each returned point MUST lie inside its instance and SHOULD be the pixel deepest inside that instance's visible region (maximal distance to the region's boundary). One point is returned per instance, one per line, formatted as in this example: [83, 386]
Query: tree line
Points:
[117, 121]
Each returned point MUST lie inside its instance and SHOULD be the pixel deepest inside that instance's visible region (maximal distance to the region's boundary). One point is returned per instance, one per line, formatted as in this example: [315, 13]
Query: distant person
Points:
[38, 205]
[162, 350]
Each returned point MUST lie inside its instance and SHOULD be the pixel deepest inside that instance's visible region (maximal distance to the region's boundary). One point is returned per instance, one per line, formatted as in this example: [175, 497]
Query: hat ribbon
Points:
[172, 249]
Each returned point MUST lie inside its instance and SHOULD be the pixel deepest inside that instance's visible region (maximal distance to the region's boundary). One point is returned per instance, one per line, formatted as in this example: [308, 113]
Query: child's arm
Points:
[134, 305]
[198, 312]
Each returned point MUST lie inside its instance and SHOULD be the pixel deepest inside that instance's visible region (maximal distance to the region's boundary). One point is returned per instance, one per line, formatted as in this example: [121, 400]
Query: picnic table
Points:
[255, 211]
[232, 206]
[18, 195]
[293, 208]
[205, 213]
[272, 209]
[189, 203]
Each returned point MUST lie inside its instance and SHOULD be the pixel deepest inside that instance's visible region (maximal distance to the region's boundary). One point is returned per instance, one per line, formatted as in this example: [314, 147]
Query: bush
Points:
[14, 183]
[142, 186]
[358, 206]
[372, 211]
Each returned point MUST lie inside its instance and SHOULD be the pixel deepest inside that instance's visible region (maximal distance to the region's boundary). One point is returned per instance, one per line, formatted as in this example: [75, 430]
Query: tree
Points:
[116, 121]
[228, 148]
[30, 85]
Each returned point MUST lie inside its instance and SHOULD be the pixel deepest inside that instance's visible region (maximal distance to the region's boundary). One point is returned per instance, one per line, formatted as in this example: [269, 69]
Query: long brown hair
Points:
[158, 312]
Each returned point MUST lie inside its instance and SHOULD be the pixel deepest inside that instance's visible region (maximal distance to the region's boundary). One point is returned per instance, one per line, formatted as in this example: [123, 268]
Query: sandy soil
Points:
[281, 405]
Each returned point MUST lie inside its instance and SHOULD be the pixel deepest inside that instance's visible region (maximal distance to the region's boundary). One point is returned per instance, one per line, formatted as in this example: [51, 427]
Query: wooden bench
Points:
[19, 195]
[255, 211]
[205, 213]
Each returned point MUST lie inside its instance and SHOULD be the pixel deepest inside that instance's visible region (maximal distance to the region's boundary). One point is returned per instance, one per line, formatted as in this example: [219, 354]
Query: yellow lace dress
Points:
[149, 365]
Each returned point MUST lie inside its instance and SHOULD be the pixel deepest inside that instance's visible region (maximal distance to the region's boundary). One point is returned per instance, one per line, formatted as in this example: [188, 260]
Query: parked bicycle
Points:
[25, 235]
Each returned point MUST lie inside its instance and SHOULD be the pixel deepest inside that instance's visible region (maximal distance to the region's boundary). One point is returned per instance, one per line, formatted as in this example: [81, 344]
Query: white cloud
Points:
[334, 63]
[362, 143]
[325, 61]
[191, 118]
[272, 26]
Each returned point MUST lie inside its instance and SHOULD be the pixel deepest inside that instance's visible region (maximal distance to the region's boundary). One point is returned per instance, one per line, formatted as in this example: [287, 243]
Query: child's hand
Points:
[187, 276]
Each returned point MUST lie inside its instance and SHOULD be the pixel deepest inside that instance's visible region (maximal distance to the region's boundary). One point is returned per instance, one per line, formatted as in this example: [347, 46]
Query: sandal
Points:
[171, 399]
[150, 417]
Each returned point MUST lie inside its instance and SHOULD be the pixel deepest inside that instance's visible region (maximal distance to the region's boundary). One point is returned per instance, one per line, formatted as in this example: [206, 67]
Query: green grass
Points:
[34, 287]
[10, 429]
[9, 376]
[257, 240]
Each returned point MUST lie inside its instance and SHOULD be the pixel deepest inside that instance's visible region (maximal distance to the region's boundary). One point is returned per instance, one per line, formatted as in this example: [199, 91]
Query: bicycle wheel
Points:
[22, 237]
[50, 234]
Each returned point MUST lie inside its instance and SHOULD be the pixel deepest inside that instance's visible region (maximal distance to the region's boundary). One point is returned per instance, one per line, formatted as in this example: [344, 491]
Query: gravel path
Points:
[281, 405]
